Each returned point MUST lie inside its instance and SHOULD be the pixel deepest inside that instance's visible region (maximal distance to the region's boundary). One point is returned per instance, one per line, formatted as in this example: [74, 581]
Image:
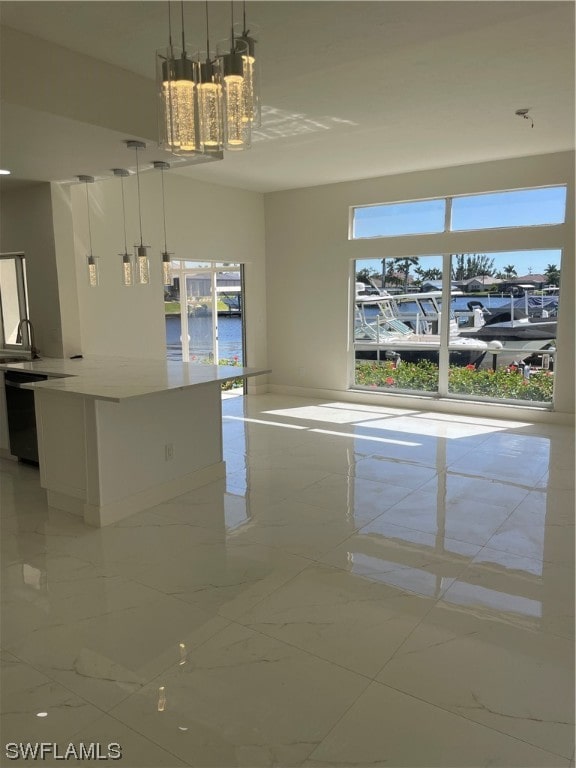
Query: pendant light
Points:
[177, 95]
[237, 130]
[247, 47]
[127, 265]
[209, 90]
[91, 261]
[140, 251]
[166, 261]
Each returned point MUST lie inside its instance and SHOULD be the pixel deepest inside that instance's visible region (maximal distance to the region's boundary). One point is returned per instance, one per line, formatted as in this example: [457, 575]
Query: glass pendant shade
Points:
[176, 88]
[166, 260]
[127, 270]
[90, 260]
[166, 269]
[92, 272]
[142, 264]
[246, 46]
[127, 265]
[237, 129]
[141, 260]
[209, 92]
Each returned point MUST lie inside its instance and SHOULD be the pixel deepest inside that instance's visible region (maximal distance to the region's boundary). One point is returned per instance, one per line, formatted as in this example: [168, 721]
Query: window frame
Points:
[19, 259]
[448, 213]
[442, 391]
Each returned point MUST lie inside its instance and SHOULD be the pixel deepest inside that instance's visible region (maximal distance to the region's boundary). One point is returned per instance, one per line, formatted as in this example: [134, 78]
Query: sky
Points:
[515, 208]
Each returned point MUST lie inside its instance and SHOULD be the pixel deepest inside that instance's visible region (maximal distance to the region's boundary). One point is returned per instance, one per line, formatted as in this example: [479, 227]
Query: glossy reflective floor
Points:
[369, 587]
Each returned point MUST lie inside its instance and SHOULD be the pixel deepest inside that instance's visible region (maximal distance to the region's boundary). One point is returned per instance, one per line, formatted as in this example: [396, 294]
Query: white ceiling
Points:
[350, 89]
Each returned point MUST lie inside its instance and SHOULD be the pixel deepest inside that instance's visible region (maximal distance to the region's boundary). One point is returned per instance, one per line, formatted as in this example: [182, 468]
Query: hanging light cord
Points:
[139, 201]
[232, 23]
[164, 211]
[124, 214]
[245, 31]
[207, 35]
[183, 41]
[88, 212]
[170, 28]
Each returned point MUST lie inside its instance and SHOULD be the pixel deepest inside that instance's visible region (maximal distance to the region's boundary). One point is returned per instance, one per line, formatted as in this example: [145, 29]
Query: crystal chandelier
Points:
[207, 103]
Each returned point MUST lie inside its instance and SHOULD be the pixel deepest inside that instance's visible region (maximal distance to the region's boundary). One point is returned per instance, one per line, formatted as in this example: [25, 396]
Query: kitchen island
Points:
[116, 436]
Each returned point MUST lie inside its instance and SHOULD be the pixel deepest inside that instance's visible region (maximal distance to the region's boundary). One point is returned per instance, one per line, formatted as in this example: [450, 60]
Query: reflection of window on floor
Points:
[497, 341]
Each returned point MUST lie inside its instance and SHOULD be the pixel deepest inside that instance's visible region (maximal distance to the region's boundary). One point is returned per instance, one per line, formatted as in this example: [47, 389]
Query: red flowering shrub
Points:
[500, 384]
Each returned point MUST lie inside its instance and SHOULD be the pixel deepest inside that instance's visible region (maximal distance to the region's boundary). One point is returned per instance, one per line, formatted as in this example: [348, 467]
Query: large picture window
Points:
[498, 333]
[476, 325]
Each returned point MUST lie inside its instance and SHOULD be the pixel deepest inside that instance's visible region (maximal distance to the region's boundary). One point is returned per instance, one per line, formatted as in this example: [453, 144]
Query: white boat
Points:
[520, 335]
[517, 331]
[380, 334]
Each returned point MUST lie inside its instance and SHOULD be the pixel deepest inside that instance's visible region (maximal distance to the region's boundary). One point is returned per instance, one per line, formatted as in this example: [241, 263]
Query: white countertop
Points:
[117, 379]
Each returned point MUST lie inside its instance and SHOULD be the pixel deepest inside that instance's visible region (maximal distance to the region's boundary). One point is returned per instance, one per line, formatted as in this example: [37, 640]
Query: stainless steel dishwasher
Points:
[21, 414]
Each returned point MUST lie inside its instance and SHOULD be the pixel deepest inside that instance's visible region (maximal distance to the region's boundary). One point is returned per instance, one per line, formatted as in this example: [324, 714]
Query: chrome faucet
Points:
[31, 337]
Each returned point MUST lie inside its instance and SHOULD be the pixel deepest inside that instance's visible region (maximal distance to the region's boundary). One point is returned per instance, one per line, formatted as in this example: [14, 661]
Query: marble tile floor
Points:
[368, 587]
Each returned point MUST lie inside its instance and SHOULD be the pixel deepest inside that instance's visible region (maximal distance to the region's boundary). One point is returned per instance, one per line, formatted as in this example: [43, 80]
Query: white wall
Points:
[27, 226]
[39, 75]
[64, 255]
[221, 224]
[309, 261]
[204, 222]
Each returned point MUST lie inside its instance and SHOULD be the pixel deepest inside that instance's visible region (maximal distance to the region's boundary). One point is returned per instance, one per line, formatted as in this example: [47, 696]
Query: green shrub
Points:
[503, 383]
[234, 383]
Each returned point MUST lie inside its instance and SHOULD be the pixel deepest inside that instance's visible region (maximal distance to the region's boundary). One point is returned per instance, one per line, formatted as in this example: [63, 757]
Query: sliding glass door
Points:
[204, 313]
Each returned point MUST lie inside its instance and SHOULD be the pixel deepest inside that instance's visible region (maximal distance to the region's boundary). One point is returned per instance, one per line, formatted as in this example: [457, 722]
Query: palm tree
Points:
[510, 270]
[552, 274]
[403, 265]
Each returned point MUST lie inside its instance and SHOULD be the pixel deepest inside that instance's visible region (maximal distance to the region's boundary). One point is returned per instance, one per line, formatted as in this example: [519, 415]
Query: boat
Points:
[538, 305]
[525, 328]
[381, 334]
[520, 334]
[422, 311]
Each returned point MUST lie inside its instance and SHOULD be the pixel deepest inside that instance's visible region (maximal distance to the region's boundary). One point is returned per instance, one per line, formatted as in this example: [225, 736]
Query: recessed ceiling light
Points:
[4, 173]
